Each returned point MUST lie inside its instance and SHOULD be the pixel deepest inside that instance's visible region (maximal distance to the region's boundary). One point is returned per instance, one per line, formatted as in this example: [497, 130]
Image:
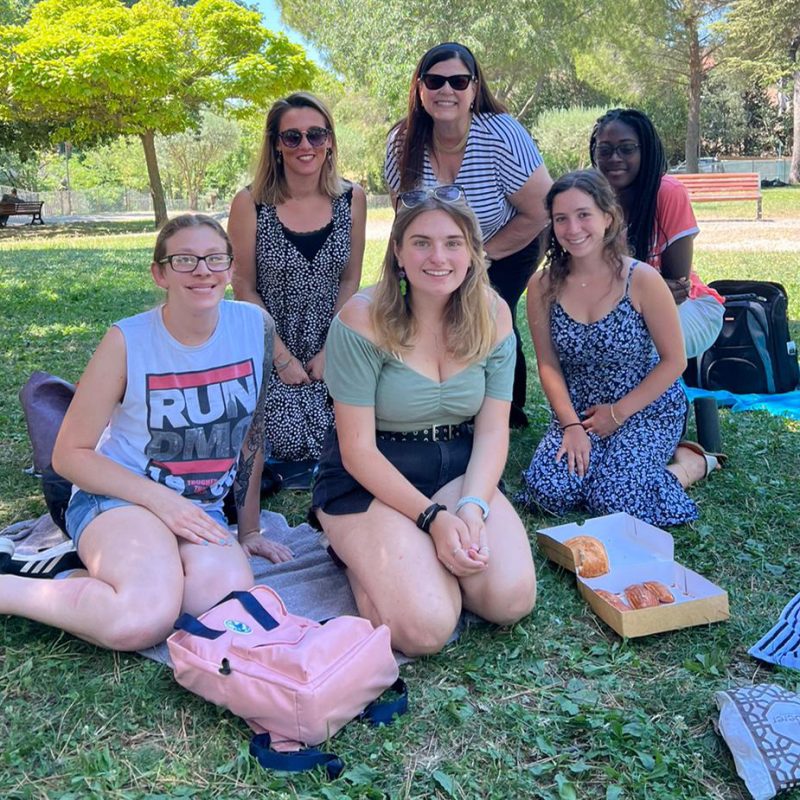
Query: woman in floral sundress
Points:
[609, 351]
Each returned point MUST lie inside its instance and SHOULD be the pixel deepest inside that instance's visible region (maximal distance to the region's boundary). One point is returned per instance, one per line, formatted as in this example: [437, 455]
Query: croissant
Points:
[639, 596]
[591, 558]
[613, 600]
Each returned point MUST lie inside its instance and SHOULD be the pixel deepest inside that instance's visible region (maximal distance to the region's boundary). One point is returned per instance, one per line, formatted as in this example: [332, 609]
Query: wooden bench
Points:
[715, 187]
[24, 208]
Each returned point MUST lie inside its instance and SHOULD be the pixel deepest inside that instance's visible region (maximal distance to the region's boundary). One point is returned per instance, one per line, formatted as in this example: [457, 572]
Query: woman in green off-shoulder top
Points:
[421, 368]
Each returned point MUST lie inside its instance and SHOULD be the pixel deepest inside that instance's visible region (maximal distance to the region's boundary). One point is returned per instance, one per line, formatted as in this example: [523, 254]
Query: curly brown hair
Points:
[615, 244]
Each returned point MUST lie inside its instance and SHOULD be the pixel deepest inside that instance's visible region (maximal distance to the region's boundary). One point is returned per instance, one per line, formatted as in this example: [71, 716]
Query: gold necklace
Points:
[449, 151]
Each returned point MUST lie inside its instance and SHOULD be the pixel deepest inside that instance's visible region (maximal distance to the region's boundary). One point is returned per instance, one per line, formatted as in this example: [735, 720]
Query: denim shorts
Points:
[84, 507]
[427, 465]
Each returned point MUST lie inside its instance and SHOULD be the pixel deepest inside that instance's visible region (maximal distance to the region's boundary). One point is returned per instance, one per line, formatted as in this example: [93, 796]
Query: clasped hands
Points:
[460, 540]
[575, 444]
[295, 373]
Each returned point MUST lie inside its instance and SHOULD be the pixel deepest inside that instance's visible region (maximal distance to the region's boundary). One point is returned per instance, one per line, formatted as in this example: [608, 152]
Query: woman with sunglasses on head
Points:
[609, 353]
[298, 235]
[457, 132]
[166, 419]
[420, 368]
[626, 148]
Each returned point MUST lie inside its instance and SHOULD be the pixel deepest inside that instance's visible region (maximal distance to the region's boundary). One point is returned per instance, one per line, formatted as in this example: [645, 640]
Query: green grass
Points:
[556, 707]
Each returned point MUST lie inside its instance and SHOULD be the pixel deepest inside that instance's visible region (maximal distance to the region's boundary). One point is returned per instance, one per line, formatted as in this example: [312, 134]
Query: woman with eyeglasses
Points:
[167, 418]
[609, 353]
[420, 368]
[298, 236]
[626, 148]
[455, 131]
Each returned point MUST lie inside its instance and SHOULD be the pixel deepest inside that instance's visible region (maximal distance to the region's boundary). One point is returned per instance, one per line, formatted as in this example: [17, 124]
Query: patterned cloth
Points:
[601, 363]
[301, 295]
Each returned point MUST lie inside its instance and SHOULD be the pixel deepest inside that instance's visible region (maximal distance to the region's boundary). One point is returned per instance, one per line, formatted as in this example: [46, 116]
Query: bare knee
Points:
[138, 630]
[202, 591]
[507, 604]
[425, 633]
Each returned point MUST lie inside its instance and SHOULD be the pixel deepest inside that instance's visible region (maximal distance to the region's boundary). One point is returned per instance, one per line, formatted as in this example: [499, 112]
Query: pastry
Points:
[591, 559]
[663, 594]
[639, 596]
[613, 600]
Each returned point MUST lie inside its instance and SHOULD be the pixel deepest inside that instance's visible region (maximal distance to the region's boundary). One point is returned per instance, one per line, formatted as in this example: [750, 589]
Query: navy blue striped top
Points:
[499, 158]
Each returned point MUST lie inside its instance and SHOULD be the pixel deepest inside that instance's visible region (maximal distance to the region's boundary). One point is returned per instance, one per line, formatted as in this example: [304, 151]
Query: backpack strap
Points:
[190, 624]
[300, 761]
[382, 713]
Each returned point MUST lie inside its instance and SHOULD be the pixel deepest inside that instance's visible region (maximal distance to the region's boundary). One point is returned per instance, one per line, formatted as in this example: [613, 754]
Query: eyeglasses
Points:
[606, 151]
[457, 82]
[187, 262]
[315, 136]
[448, 193]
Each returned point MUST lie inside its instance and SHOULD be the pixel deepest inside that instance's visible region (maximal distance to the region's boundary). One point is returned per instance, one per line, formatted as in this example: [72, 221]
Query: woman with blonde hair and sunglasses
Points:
[420, 368]
[298, 236]
[456, 131]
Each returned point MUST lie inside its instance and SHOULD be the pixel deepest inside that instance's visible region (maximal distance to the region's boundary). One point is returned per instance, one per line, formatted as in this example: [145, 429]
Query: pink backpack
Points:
[294, 679]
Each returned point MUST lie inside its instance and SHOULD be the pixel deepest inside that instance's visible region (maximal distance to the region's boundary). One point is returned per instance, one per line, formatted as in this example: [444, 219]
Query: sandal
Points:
[713, 460]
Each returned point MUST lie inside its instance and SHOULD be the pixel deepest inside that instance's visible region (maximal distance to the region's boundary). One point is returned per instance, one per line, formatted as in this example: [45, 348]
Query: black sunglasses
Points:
[448, 193]
[315, 136]
[457, 82]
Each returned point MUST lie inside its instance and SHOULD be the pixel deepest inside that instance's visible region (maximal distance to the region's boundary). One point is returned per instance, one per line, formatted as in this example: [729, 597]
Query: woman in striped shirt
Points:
[457, 132]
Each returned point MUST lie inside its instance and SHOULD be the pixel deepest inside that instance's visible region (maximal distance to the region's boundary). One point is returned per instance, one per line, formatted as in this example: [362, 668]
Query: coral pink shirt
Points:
[674, 220]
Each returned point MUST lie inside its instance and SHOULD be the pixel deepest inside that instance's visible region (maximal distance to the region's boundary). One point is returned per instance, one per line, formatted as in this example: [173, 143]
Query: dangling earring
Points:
[279, 157]
[330, 156]
[401, 274]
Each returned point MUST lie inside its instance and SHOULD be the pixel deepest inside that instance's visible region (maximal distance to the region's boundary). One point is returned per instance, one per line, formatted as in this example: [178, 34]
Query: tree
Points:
[764, 40]
[192, 153]
[655, 48]
[520, 46]
[98, 67]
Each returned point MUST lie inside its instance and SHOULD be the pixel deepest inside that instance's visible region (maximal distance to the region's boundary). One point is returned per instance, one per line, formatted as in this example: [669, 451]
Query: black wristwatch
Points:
[426, 518]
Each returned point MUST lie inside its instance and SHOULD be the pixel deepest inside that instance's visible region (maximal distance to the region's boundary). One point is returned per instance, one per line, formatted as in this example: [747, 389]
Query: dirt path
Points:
[741, 235]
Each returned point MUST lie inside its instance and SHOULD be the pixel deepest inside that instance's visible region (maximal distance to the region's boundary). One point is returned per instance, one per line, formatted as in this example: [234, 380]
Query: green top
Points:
[361, 374]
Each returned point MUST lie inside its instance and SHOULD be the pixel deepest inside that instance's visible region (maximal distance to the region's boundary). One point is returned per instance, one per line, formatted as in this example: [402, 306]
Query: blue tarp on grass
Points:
[779, 405]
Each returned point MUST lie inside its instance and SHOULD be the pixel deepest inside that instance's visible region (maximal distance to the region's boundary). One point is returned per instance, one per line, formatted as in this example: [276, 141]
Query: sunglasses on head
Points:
[449, 193]
[315, 136]
[457, 82]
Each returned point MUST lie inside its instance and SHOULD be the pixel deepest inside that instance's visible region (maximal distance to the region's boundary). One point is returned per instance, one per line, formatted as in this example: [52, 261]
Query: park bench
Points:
[715, 187]
[34, 208]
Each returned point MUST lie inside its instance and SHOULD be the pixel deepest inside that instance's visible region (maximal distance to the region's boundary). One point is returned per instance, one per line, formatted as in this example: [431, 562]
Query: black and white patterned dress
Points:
[601, 362]
[301, 295]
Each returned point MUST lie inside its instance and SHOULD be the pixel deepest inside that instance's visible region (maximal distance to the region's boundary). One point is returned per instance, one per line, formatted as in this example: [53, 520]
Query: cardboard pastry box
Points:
[637, 552]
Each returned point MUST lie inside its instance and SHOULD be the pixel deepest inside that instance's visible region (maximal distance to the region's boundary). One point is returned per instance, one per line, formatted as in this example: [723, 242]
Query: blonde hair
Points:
[269, 181]
[470, 327]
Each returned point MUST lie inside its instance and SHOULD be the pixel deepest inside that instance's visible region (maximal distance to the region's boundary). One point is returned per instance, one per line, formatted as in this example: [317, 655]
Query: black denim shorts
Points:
[426, 465]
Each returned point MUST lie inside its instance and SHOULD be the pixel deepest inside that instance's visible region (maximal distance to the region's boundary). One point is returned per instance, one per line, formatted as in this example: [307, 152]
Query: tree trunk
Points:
[794, 170]
[154, 176]
[695, 85]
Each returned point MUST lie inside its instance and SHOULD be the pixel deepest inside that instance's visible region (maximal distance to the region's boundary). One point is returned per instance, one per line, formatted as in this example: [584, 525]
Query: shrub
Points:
[563, 137]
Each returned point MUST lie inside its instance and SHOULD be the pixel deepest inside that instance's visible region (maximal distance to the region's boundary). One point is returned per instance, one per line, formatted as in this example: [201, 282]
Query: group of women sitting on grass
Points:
[419, 372]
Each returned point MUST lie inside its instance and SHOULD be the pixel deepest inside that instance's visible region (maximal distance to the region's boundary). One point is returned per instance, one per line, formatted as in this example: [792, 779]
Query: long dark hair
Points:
[593, 183]
[414, 132]
[641, 207]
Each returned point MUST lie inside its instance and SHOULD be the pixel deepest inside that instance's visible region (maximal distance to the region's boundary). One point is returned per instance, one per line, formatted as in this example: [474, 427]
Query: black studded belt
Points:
[440, 433]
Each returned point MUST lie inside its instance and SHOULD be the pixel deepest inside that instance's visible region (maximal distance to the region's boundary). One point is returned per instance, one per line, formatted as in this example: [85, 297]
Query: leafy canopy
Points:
[95, 67]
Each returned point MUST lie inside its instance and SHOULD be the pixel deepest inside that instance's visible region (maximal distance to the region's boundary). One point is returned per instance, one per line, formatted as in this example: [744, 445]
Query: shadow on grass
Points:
[76, 228]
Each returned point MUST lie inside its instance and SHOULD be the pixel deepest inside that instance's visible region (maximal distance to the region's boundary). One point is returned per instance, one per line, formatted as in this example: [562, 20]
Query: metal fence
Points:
[768, 168]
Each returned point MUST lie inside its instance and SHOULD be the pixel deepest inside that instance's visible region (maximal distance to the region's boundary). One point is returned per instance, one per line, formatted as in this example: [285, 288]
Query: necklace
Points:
[449, 151]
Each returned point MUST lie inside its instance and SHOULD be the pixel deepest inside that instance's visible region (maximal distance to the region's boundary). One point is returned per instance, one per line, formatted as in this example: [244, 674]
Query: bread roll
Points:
[613, 600]
[639, 596]
[663, 594]
[591, 558]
